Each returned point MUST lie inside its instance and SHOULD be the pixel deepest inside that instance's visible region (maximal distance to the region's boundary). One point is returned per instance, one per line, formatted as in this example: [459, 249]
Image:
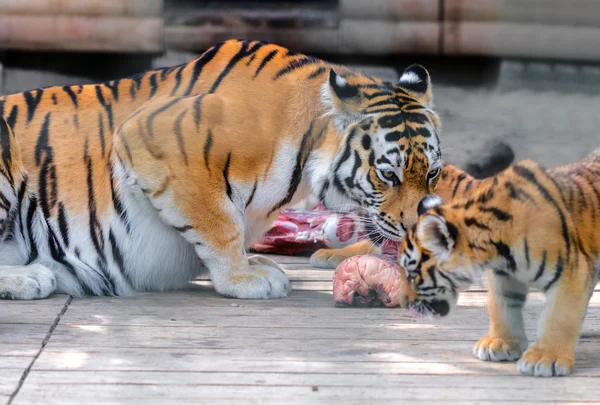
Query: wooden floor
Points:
[195, 347]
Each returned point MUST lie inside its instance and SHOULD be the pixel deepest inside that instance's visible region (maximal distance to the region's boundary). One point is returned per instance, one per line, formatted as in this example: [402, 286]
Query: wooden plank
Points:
[397, 10]
[36, 312]
[391, 387]
[131, 8]
[382, 37]
[77, 33]
[528, 40]
[573, 12]
[197, 38]
[426, 351]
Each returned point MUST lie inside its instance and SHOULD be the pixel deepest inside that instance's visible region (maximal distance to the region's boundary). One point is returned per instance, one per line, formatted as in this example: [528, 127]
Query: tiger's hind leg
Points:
[17, 282]
[553, 353]
[30, 282]
[506, 339]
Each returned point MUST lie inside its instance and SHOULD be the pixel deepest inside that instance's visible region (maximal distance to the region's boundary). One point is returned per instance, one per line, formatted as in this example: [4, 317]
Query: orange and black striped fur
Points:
[443, 186]
[531, 228]
[120, 187]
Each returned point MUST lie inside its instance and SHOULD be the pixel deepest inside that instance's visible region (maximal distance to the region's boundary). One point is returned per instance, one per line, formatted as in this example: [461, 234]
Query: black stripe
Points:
[101, 132]
[242, 53]
[560, 265]
[94, 224]
[530, 176]
[301, 157]
[12, 117]
[323, 191]
[447, 278]
[469, 221]
[199, 65]
[207, 146]
[72, 95]
[153, 85]
[251, 59]
[114, 89]
[226, 177]
[43, 146]
[177, 79]
[107, 107]
[504, 251]
[542, 267]
[152, 116]
[461, 177]
[62, 224]
[297, 64]
[33, 251]
[357, 162]
[264, 62]
[32, 102]
[317, 73]
[498, 213]
[5, 136]
[252, 193]
[179, 135]
[136, 83]
[118, 256]
[526, 245]
[117, 204]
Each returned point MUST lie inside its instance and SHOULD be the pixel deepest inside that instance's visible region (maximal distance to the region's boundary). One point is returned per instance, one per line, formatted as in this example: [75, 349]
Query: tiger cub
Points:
[140, 183]
[531, 228]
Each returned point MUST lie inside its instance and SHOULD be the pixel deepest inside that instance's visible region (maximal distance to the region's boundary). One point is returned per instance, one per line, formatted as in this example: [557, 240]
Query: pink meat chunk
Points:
[367, 280]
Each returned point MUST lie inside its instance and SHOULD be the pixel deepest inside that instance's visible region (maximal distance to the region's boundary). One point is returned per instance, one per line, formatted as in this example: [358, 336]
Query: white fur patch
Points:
[410, 77]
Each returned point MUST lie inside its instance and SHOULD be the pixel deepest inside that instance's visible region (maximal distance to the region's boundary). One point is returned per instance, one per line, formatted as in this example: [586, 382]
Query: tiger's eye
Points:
[388, 174]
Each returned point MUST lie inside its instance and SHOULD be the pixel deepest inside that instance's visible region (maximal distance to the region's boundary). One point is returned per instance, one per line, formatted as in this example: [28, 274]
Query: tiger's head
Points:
[390, 155]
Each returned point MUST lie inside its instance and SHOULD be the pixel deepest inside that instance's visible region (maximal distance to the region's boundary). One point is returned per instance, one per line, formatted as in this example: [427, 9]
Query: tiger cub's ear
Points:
[417, 82]
[343, 100]
[434, 235]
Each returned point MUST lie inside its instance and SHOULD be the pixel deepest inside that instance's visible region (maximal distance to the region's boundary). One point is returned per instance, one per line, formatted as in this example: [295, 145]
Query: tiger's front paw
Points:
[327, 258]
[263, 279]
[496, 349]
[542, 361]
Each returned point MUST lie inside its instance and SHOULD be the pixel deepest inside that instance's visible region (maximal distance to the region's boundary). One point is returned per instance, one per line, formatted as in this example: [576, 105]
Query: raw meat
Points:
[300, 231]
[368, 280]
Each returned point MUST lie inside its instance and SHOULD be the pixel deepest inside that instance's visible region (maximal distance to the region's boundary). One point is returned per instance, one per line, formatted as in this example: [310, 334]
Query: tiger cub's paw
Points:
[542, 361]
[327, 258]
[496, 349]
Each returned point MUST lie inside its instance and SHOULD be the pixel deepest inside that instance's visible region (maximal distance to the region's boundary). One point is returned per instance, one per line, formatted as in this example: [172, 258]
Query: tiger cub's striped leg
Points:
[553, 353]
[30, 282]
[506, 339]
[330, 258]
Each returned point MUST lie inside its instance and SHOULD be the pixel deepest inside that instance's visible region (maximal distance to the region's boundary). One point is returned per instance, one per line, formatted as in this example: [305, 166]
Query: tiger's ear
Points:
[434, 235]
[417, 82]
[428, 202]
[342, 99]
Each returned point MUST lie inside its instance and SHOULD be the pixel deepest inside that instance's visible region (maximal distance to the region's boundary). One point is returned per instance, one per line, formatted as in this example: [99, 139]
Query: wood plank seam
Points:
[44, 343]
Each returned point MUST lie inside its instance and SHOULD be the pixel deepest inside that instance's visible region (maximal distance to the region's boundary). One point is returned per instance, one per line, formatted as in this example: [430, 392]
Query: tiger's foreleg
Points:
[330, 258]
[553, 353]
[506, 339]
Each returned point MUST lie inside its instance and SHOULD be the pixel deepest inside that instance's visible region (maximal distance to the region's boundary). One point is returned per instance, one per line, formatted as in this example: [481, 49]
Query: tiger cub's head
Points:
[390, 155]
[449, 242]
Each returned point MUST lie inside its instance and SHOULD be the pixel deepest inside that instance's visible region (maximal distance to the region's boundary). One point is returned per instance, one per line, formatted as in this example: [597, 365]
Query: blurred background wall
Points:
[523, 72]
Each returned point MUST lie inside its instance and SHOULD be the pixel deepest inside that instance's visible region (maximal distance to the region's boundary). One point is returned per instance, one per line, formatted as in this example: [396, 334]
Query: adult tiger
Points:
[120, 187]
[530, 227]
